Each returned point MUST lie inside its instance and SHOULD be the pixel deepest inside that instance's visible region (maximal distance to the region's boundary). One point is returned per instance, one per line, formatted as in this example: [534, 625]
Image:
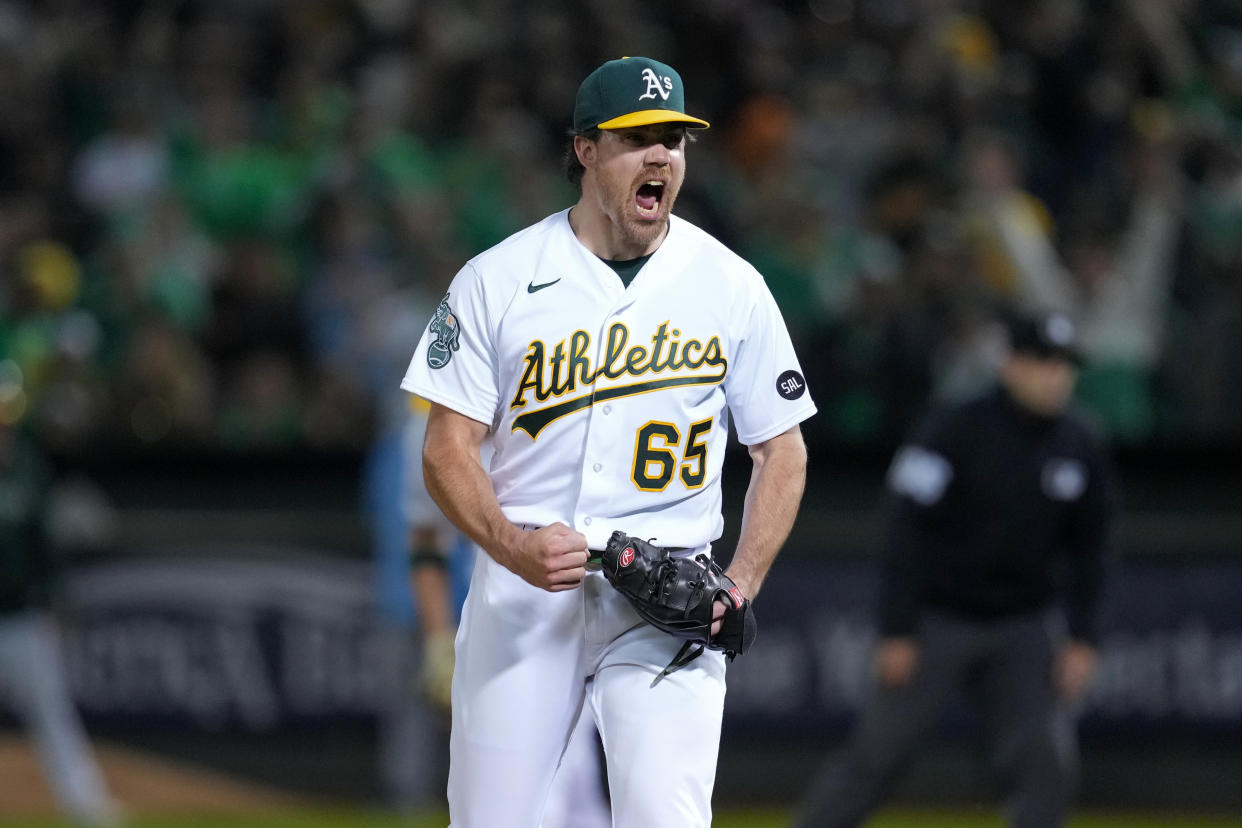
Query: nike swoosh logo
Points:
[532, 287]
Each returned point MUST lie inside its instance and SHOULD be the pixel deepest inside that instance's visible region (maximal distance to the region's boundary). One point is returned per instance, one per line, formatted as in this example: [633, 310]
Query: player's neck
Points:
[601, 235]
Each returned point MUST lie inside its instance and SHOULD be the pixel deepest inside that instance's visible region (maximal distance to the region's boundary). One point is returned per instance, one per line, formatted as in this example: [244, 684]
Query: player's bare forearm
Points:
[432, 598]
[552, 558]
[777, 480]
[457, 482]
[429, 578]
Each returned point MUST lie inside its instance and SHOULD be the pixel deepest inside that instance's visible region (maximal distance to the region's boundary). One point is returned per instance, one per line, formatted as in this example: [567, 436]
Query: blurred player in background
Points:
[439, 566]
[32, 673]
[992, 574]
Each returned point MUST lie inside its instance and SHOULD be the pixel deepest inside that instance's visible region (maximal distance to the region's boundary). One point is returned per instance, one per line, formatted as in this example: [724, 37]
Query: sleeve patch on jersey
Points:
[920, 475]
[1064, 479]
[790, 385]
[447, 335]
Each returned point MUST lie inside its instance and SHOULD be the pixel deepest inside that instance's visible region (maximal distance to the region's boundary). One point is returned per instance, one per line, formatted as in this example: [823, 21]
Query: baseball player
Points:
[32, 671]
[603, 354]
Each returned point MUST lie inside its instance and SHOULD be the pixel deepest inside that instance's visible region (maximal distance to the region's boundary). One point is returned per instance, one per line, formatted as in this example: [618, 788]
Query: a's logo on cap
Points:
[654, 85]
[627, 556]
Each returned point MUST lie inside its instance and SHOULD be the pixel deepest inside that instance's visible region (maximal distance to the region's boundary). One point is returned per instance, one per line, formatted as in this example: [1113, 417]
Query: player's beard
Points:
[619, 201]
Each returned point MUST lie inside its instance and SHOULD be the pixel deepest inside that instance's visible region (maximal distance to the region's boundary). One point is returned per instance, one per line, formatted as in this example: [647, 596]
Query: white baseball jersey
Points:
[609, 406]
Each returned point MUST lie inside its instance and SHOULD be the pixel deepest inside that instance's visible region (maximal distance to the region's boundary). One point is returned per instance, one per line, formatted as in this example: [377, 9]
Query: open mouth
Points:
[648, 198]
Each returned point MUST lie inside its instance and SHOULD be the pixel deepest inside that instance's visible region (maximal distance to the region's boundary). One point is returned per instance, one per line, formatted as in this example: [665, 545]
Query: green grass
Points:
[977, 819]
[731, 819]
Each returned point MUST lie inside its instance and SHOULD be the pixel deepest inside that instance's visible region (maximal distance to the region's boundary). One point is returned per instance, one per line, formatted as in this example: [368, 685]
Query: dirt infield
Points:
[143, 783]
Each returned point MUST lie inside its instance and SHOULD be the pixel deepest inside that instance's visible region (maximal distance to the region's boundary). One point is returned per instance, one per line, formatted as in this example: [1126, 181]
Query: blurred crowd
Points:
[223, 224]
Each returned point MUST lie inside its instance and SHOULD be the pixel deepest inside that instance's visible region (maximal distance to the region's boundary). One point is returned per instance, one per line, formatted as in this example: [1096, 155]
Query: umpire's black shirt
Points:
[993, 507]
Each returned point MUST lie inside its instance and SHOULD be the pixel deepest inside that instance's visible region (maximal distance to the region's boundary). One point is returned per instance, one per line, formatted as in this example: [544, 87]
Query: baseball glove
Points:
[676, 594]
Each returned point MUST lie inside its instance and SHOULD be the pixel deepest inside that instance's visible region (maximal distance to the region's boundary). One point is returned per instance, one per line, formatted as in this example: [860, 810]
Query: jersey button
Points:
[587, 521]
[608, 409]
[597, 467]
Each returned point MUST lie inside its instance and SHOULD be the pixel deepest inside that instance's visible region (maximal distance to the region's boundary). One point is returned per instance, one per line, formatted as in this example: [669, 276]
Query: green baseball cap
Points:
[632, 91]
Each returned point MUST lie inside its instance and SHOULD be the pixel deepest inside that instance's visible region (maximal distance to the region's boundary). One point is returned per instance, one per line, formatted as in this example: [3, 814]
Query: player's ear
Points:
[586, 149]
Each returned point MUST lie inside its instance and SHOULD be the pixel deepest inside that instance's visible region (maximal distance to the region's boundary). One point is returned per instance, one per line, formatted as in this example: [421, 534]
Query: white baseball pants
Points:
[529, 661]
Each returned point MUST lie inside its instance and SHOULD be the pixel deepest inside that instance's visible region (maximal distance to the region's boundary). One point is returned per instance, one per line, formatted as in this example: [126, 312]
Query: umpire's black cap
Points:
[1049, 335]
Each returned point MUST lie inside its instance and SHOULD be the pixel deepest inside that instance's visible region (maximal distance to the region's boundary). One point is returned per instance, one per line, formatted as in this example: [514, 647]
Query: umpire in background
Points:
[991, 578]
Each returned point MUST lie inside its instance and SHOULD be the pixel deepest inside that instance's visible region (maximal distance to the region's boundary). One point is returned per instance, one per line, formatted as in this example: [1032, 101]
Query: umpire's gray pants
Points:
[1005, 668]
